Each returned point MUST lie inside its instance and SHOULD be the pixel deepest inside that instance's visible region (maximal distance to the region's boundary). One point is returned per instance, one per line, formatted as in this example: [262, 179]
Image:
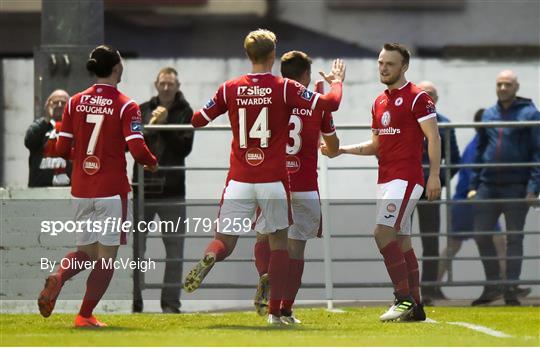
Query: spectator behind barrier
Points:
[505, 145]
[46, 168]
[429, 215]
[166, 187]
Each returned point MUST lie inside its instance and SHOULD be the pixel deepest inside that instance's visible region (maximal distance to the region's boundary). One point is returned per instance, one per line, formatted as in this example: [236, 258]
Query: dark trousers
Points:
[485, 218]
[174, 248]
[429, 220]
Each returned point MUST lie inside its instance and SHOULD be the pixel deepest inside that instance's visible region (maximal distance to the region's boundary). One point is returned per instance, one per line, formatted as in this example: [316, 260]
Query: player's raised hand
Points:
[433, 188]
[337, 73]
[152, 169]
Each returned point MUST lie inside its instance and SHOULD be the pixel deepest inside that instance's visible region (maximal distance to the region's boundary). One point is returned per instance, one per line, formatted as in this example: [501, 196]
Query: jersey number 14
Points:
[259, 129]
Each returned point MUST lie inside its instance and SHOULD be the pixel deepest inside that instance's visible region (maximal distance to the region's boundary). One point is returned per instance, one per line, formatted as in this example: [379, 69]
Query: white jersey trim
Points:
[285, 91]
[69, 105]
[203, 113]
[65, 134]
[416, 98]
[124, 107]
[128, 138]
[224, 93]
[328, 134]
[317, 95]
[429, 116]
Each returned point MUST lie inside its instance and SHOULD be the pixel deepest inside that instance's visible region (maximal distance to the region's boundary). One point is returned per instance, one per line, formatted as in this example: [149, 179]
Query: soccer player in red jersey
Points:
[259, 105]
[401, 117]
[97, 126]
[305, 129]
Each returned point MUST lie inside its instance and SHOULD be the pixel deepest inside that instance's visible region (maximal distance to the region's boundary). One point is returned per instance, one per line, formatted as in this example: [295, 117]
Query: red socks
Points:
[397, 268]
[278, 271]
[414, 274]
[296, 269]
[262, 256]
[71, 265]
[96, 285]
[218, 248]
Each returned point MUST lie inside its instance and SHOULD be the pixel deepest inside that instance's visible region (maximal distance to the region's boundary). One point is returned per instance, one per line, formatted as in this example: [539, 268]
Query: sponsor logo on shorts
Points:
[254, 156]
[293, 164]
[388, 216]
[91, 165]
[399, 101]
[391, 208]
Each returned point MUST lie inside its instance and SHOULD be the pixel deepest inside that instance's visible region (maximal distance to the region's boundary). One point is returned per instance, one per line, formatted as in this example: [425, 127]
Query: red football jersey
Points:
[396, 118]
[100, 120]
[305, 128]
[259, 108]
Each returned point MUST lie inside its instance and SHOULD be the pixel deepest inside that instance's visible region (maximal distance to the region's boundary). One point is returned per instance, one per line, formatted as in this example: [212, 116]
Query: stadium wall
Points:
[464, 86]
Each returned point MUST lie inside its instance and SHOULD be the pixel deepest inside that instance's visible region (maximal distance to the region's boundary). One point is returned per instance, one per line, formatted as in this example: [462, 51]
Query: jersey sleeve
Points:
[296, 95]
[423, 107]
[130, 114]
[213, 108]
[374, 128]
[65, 137]
[327, 124]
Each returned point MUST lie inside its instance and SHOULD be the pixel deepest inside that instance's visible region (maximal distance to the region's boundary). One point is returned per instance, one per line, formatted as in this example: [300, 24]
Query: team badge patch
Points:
[307, 95]
[399, 101]
[136, 126]
[431, 107]
[209, 104]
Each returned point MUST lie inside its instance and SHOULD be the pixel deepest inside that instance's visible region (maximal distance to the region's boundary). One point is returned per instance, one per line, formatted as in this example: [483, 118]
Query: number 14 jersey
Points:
[259, 107]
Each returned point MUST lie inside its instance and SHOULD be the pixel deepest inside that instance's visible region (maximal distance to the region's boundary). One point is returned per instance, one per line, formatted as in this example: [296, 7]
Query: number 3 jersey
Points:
[305, 129]
[259, 108]
[100, 124]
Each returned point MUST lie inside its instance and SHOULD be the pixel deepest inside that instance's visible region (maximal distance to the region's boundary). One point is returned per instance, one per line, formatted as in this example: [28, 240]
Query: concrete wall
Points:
[507, 22]
[464, 86]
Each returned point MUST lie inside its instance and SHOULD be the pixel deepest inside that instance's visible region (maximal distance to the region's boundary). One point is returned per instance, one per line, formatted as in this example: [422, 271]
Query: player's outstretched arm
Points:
[330, 145]
[431, 131]
[365, 148]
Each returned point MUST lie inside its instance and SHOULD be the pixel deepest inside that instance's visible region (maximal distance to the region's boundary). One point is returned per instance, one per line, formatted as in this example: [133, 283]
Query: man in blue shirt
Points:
[503, 145]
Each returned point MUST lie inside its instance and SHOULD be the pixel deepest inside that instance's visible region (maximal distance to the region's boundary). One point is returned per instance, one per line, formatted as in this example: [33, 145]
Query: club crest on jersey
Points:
[399, 101]
[293, 164]
[136, 126]
[209, 104]
[91, 165]
[385, 119]
[254, 156]
[307, 95]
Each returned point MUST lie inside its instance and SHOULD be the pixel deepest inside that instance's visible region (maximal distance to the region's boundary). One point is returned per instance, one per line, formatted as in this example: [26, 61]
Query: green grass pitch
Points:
[354, 327]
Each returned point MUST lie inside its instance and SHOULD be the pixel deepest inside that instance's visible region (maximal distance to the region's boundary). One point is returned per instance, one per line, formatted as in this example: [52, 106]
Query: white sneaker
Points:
[291, 320]
[275, 320]
[399, 310]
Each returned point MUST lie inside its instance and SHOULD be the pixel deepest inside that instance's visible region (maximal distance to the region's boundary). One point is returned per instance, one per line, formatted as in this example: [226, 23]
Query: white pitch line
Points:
[483, 329]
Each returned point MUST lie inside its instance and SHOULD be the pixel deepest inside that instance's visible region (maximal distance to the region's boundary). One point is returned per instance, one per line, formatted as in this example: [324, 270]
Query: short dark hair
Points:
[402, 49]
[294, 64]
[167, 70]
[102, 60]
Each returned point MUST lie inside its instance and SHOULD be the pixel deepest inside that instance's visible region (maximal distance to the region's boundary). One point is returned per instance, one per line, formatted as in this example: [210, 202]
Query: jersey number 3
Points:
[294, 134]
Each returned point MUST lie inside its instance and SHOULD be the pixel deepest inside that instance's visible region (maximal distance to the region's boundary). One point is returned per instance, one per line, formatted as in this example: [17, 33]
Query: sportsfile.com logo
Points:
[96, 100]
[255, 91]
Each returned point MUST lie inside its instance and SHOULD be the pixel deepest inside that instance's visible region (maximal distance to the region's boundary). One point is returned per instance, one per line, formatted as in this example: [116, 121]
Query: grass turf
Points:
[355, 327]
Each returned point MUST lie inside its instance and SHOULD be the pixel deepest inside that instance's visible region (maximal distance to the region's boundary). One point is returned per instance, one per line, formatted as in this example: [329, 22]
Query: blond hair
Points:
[259, 44]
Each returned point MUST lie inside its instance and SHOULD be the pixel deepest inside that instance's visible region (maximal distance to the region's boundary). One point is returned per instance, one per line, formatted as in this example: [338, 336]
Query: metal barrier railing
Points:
[329, 285]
